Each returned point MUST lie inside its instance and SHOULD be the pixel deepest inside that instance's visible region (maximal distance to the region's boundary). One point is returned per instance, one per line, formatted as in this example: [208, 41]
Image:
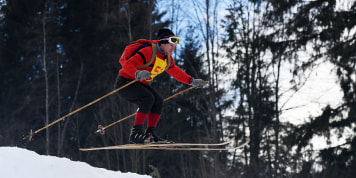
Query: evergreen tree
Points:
[23, 51]
[247, 46]
[325, 27]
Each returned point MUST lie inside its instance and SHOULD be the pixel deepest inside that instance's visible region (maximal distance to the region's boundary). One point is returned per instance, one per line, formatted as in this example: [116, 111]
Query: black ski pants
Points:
[143, 95]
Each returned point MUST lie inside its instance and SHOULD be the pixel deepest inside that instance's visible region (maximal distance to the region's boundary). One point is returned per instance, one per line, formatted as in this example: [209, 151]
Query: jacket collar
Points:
[160, 54]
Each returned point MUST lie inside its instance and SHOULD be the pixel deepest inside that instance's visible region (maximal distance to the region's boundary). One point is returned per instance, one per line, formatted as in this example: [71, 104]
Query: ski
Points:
[162, 144]
[171, 146]
[159, 145]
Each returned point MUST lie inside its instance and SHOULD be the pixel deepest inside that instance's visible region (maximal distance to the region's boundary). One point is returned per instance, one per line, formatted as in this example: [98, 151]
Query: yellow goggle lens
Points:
[172, 40]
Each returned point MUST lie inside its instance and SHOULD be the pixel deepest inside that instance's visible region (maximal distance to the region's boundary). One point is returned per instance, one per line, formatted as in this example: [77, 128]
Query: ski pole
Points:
[101, 129]
[77, 110]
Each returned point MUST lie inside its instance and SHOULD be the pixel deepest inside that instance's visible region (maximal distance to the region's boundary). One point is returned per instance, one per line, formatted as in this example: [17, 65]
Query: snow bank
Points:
[21, 163]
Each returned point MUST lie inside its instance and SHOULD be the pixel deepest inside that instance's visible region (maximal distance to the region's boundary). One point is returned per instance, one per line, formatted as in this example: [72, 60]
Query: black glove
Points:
[197, 83]
[142, 75]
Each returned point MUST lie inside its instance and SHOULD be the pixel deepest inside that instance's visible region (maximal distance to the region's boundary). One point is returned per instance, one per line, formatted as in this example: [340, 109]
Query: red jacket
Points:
[130, 67]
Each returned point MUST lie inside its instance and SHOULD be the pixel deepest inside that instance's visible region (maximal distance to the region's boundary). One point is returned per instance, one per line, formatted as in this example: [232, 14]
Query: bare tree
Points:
[207, 21]
[44, 55]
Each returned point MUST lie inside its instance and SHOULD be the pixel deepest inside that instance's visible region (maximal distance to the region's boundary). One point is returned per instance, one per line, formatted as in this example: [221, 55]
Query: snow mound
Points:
[20, 163]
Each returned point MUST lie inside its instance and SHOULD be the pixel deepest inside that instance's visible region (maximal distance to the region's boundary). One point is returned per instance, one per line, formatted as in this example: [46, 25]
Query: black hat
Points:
[164, 33]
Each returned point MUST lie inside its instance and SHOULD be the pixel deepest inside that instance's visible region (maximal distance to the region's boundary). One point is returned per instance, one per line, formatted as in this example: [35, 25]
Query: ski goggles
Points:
[172, 40]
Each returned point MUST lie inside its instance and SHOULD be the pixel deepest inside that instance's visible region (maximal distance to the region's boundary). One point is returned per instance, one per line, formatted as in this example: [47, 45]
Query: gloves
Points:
[197, 83]
[142, 75]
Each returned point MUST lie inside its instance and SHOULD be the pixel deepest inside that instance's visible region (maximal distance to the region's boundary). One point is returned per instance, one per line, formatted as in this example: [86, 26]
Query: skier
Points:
[141, 93]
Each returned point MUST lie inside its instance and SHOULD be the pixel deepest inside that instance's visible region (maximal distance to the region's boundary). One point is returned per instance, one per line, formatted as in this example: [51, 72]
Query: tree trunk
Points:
[44, 32]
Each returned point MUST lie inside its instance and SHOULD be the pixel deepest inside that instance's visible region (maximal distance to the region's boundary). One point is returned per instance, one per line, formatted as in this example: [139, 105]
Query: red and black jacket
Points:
[142, 57]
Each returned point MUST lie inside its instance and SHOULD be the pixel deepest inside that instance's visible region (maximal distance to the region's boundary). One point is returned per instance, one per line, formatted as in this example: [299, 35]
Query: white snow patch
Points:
[22, 163]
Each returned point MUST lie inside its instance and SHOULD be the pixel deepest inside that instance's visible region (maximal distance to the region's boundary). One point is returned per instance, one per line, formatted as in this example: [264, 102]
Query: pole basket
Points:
[101, 129]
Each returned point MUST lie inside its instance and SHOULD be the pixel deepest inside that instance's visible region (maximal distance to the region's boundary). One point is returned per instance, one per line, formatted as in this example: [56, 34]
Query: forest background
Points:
[59, 55]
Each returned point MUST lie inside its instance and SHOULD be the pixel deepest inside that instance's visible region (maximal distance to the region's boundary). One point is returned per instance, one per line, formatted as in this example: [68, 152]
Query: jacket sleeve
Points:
[178, 73]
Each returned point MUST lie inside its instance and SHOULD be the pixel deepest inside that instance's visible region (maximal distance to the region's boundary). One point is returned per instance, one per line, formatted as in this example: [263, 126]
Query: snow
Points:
[20, 163]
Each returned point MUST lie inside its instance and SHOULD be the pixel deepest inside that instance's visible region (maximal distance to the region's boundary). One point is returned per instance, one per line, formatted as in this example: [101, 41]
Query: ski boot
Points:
[152, 137]
[137, 136]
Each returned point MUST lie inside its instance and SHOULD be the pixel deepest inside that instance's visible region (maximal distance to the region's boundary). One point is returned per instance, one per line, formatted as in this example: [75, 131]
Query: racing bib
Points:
[158, 68]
